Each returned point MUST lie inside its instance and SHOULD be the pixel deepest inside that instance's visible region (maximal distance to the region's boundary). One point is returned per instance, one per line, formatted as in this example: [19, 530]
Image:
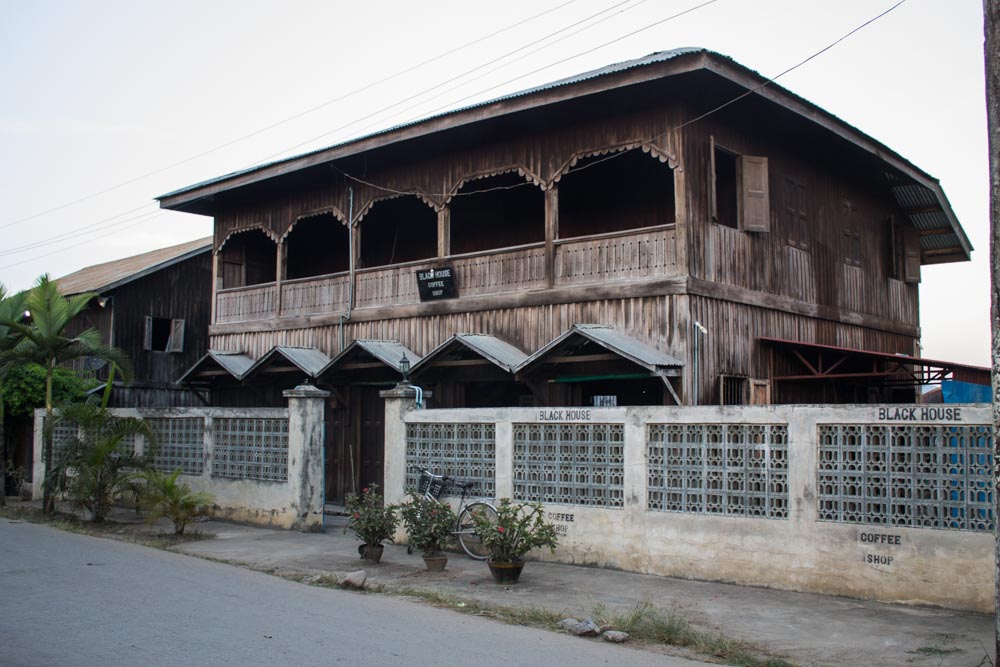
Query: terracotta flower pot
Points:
[371, 553]
[506, 573]
[435, 563]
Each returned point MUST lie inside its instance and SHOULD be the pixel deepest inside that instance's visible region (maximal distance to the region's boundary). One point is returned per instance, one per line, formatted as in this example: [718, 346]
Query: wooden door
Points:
[371, 431]
[339, 455]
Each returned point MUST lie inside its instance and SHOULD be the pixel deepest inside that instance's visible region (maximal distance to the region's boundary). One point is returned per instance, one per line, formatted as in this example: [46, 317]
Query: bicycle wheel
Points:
[468, 538]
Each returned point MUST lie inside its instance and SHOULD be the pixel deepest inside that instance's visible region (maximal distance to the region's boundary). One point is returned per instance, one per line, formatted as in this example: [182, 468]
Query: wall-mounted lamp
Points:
[102, 301]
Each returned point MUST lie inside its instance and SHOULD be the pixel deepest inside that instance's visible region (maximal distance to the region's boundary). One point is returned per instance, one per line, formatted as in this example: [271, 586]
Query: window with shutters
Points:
[793, 212]
[738, 191]
[163, 334]
[850, 234]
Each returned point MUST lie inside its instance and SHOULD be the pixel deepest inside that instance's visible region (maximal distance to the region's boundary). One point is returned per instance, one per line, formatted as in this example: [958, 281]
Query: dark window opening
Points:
[163, 334]
[734, 390]
[316, 246]
[614, 193]
[496, 212]
[249, 258]
[726, 188]
[396, 231]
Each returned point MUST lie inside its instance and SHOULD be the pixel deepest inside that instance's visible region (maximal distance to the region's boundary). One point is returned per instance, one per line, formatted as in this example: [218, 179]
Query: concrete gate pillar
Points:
[398, 401]
[305, 455]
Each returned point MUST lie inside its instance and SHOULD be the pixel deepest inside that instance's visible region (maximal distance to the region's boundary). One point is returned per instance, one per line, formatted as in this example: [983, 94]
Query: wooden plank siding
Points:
[656, 320]
[812, 266]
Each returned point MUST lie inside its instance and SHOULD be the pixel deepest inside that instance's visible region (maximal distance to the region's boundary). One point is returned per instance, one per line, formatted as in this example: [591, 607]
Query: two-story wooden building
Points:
[726, 238]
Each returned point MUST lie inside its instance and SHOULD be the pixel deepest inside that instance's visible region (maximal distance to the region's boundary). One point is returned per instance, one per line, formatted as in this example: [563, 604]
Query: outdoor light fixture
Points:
[404, 368]
[103, 301]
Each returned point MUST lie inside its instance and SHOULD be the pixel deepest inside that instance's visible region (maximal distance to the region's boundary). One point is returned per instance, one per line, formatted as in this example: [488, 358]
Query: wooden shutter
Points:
[911, 262]
[176, 341]
[713, 211]
[755, 202]
[147, 338]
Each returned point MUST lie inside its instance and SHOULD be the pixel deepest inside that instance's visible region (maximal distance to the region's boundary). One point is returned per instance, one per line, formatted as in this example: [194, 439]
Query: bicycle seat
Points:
[465, 486]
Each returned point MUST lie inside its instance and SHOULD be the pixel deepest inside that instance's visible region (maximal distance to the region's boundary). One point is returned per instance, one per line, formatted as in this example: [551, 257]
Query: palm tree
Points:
[43, 340]
[11, 309]
[96, 467]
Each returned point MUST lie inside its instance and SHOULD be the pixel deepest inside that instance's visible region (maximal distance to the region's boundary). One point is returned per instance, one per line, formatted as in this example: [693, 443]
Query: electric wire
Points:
[288, 119]
[691, 121]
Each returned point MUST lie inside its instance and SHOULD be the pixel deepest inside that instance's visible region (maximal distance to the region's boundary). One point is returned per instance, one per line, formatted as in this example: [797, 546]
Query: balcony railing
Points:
[599, 259]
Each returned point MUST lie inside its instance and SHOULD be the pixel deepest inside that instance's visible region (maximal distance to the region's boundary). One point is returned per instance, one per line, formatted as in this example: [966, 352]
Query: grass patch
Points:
[647, 624]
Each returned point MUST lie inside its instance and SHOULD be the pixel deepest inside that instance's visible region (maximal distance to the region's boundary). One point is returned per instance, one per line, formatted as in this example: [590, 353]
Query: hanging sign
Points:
[435, 284]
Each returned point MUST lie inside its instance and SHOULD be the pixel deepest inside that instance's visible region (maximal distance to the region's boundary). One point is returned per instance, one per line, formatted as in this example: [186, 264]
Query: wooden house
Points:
[155, 307]
[680, 207]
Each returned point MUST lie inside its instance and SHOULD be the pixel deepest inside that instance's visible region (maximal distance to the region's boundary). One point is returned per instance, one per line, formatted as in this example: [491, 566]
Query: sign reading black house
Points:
[436, 284]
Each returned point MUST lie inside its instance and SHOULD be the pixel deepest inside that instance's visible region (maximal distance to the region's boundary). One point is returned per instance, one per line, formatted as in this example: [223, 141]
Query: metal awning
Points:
[217, 363]
[370, 353]
[308, 360]
[460, 347]
[830, 362]
[567, 348]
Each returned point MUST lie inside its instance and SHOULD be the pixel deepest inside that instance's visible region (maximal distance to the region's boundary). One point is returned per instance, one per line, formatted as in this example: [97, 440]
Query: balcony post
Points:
[551, 232]
[444, 232]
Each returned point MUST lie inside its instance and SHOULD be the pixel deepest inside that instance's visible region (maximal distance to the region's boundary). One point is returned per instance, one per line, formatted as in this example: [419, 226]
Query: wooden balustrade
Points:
[618, 256]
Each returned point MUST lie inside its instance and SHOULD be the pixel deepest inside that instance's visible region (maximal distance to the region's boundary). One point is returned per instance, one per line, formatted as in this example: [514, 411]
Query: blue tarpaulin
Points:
[965, 392]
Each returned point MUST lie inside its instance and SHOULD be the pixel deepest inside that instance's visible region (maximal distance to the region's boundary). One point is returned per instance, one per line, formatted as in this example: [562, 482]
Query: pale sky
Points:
[118, 102]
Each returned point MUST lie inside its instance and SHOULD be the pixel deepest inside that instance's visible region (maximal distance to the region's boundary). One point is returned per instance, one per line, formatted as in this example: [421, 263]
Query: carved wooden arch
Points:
[525, 173]
[333, 210]
[259, 227]
[366, 209]
[647, 147]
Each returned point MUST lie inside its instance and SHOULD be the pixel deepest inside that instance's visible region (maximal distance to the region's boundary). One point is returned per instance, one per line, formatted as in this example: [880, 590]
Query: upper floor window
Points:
[904, 252]
[793, 211]
[163, 334]
[738, 192]
[850, 234]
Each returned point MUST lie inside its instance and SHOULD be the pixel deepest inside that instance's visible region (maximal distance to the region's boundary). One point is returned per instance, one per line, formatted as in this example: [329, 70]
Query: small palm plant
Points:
[165, 496]
[95, 468]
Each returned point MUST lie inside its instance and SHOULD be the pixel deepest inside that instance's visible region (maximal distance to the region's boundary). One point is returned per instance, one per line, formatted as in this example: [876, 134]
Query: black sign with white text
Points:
[435, 284]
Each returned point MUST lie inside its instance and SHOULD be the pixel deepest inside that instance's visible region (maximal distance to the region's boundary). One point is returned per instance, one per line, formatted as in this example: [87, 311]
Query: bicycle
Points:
[431, 487]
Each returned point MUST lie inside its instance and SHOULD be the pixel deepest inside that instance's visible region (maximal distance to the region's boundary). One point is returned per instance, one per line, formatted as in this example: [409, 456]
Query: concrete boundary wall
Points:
[939, 566]
[279, 484]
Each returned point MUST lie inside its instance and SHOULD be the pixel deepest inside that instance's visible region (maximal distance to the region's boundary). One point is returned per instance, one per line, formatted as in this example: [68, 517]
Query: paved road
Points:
[72, 600]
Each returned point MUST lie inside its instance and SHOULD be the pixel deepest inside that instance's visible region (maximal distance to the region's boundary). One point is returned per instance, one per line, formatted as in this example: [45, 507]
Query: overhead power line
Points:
[288, 119]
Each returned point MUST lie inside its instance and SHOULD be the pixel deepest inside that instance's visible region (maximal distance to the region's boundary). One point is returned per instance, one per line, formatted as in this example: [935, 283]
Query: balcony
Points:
[633, 255]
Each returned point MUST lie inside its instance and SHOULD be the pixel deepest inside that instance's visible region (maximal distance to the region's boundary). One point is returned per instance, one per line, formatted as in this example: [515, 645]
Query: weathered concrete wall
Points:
[295, 503]
[950, 568]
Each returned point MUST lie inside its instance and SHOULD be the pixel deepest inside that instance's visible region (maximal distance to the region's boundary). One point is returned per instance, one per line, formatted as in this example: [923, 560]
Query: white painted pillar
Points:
[504, 459]
[398, 401]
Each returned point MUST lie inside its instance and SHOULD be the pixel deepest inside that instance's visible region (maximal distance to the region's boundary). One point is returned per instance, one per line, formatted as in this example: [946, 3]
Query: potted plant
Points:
[517, 529]
[430, 525]
[371, 520]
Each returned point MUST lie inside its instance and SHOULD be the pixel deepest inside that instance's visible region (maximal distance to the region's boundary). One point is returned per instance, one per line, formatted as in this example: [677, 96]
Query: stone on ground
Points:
[615, 636]
[586, 628]
[355, 579]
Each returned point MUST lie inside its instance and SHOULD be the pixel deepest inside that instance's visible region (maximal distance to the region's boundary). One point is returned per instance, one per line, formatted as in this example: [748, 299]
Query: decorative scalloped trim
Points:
[647, 147]
[366, 209]
[260, 227]
[524, 173]
[333, 210]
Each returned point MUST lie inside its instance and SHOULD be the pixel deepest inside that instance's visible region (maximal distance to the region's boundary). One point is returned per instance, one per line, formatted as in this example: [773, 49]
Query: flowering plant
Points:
[429, 524]
[514, 531]
[370, 518]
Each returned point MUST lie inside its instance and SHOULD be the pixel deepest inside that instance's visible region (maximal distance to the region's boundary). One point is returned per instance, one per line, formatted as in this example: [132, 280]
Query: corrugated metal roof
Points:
[106, 276]
[914, 188]
[659, 56]
[234, 363]
[307, 359]
[614, 340]
[389, 352]
[493, 349]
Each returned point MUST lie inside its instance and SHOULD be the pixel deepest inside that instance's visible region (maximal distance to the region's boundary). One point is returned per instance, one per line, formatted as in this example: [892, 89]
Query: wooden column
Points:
[551, 232]
[216, 280]
[279, 276]
[444, 232]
